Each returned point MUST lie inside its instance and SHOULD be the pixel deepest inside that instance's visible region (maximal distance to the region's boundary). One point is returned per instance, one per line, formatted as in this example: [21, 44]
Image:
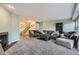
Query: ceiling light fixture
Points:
[10, 6]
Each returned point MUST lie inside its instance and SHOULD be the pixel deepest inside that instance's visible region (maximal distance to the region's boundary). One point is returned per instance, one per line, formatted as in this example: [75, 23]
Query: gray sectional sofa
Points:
[65, 42]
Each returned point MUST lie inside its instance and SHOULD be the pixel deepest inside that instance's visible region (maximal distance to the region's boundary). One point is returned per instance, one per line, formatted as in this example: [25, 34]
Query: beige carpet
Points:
[34, 46]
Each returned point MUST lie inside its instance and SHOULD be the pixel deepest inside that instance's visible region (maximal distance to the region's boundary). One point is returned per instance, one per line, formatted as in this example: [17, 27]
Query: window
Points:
[38, 25]
[78, 22]
[67, 27]
[77, 25]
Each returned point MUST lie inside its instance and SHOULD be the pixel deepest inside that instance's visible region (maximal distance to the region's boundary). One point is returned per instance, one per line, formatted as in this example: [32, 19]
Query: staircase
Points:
[24, 29]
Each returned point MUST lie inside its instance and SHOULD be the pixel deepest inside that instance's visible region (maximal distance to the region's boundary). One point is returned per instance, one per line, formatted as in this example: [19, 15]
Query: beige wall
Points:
[4, 20]
[48, 25]
[9, 23]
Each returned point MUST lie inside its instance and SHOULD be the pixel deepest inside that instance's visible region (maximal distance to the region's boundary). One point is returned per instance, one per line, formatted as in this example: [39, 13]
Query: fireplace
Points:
[4, 39]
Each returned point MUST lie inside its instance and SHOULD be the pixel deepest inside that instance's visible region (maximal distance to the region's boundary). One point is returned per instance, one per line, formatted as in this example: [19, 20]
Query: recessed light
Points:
[10, 6]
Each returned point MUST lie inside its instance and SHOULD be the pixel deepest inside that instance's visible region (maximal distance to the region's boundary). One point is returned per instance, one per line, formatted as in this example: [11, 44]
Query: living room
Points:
[37, 25]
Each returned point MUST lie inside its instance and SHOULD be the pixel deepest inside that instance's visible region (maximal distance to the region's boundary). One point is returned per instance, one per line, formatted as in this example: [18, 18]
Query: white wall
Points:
[68, 25]
[9, 22]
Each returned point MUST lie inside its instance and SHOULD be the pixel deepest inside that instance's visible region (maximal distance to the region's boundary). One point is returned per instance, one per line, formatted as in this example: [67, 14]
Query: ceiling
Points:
[43, 11]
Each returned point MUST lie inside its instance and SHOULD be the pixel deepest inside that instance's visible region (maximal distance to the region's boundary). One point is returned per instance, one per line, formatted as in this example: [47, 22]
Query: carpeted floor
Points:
[9, 46]
[33, 46]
